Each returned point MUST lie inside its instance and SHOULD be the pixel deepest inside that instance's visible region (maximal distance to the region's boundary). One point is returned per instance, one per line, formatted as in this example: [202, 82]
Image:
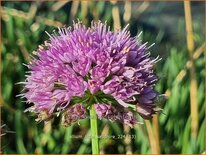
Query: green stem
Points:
[94, 132]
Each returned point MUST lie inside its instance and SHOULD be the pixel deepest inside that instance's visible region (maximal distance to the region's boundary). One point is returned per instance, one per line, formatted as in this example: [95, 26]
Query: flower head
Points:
[79, 64]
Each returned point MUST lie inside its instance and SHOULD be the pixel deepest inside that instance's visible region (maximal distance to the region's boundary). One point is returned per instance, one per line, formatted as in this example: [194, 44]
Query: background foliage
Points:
[23, 26]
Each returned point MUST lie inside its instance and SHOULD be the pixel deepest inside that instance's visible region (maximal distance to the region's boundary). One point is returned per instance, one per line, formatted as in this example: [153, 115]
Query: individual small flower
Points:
[129, 119]
[145, 106]
[109, 112]
[98, 76]
[74, 114]
[106, 111]
[80, 66]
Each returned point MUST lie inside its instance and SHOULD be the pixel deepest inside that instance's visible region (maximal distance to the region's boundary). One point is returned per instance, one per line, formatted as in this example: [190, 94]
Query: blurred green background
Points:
[179, 130]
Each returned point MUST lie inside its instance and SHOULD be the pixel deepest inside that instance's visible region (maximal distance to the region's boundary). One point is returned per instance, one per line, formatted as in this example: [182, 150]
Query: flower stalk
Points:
[94, 131]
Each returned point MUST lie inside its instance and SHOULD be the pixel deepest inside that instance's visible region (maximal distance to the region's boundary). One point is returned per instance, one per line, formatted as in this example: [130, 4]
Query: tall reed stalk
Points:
[193, 80]
[116, 16]
[151, 136]
[84, 11]
[156, 133]
[127, 11]
[127, 139]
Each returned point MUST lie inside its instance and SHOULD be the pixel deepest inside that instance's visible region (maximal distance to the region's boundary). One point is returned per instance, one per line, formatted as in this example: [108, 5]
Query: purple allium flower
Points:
[79, 64]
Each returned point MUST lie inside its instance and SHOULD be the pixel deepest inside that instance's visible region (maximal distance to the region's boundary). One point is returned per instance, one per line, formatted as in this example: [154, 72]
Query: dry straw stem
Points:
[156, 132]
[74, 9]
[47, 131]
[142, 8]
[127, 11]
[193, 81]
[94, 10]
[153, 144]
[183, 72]
[84, 11]
[25, 16]
[105, 132]
[58, 5]
[32, 10]
[116, 16]
[127, 139]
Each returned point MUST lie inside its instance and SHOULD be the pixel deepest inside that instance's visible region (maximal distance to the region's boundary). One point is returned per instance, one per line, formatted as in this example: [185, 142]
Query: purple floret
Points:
[74, 114]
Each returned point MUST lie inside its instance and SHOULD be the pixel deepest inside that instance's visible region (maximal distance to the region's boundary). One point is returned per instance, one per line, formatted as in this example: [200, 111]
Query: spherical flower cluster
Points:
[78, 67]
